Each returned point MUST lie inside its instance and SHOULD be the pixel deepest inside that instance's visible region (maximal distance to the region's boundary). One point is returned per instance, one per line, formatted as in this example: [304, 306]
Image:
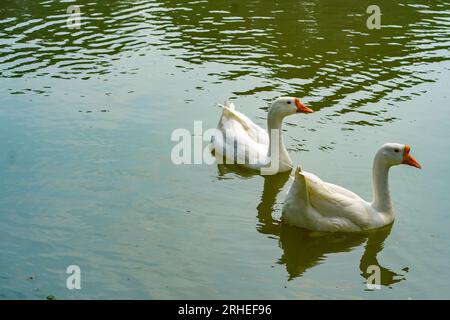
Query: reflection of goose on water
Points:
[301, 251]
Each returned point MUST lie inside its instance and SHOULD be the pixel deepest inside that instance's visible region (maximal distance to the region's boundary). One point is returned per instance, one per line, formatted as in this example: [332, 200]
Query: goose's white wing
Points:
[231, 117]
[334, 202]
[333, 188]
[241, 140]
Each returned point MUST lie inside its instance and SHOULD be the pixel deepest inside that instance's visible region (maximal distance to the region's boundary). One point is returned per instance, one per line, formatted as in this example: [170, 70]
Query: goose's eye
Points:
[396, 150]
[288, 102]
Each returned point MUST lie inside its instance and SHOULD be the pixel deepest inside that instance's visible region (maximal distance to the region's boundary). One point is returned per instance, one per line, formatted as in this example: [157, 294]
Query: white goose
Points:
[239, 140]
[320, 206]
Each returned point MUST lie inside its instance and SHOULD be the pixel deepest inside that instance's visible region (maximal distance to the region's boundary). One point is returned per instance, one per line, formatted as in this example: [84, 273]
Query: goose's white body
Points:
[320, 206]
[317, 205]
[238, 132]
[240, 141]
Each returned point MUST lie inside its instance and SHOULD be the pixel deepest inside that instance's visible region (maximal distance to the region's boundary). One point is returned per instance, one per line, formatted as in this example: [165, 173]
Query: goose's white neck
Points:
[381, 195]
[274, 123]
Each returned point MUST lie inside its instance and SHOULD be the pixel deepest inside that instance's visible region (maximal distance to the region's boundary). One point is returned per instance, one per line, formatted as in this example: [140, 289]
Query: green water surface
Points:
[86, 117]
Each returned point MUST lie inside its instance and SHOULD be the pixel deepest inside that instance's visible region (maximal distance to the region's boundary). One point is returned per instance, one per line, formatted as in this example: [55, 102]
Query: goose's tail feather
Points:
[227, 105]
[301, 184]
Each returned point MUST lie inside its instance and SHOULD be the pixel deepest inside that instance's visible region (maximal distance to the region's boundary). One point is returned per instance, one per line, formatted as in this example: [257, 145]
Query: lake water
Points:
[86, 117]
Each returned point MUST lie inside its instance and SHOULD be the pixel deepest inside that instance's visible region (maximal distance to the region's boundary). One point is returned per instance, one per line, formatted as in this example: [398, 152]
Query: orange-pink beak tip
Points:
[409, 159]
[307, 110]
[301, 107]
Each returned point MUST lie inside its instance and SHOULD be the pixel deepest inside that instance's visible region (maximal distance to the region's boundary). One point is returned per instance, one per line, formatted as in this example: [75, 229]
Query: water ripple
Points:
[320, 55]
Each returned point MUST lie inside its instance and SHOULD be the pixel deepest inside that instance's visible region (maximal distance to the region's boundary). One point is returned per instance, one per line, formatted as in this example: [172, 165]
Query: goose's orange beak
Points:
[409, 159]
[301, 107]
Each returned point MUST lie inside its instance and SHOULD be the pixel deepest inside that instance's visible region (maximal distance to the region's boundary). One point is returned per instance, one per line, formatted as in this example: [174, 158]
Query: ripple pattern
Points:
[325, 53]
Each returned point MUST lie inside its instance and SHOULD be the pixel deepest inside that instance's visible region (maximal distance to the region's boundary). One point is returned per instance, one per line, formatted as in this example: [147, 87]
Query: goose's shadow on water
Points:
[303, 249]
[243, 172]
